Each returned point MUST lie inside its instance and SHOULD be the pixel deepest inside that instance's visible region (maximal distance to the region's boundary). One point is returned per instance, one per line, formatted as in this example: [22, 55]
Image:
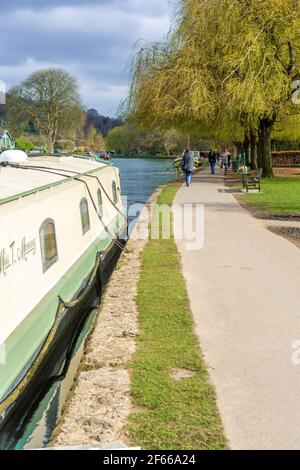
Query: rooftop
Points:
[4, 131]
[16, 181]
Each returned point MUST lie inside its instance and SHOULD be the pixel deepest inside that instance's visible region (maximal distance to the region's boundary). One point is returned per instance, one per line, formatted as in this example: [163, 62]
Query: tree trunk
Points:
[247, 149]
[50, 146]
[52, 140]
[166, 150]
[265, 147]
[253, 143]
[259, 150]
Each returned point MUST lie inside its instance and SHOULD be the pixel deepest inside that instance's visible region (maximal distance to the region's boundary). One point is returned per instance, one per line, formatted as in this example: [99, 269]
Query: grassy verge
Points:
[172, 414]
[279, 195]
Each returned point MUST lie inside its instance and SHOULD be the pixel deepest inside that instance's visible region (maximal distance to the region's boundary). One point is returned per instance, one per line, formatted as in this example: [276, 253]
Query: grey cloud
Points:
[93, 40]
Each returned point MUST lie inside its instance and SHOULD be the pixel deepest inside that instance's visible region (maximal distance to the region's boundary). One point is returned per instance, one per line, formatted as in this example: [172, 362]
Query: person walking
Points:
[188, 165]
[227, 160]
[212, 157]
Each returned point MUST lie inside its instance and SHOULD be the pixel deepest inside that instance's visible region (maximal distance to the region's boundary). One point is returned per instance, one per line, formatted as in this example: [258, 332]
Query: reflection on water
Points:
[139, 179]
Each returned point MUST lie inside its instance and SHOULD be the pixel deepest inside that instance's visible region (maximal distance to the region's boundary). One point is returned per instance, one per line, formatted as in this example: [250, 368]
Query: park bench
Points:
[252, 179]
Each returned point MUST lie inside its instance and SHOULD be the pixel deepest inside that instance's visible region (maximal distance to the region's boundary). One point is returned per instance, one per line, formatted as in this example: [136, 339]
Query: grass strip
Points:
[279, 195]
[172, 414]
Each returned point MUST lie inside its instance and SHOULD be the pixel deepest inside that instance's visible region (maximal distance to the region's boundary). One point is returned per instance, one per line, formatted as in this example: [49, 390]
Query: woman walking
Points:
[212, 160]
[188, 165]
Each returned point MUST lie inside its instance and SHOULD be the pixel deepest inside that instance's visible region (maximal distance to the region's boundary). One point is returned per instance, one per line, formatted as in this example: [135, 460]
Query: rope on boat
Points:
[119, 245]
[80, 174]
[52, 171]
[60, 312]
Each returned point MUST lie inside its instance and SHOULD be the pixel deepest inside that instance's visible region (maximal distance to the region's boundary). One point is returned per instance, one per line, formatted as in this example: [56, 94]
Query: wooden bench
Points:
[252, 179]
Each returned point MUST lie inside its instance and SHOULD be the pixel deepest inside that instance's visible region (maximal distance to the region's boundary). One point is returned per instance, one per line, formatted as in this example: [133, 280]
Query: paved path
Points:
[244, 289]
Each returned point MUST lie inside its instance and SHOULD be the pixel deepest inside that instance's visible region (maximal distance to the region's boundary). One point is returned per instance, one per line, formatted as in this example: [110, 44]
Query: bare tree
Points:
[50, 99]
[94, 139]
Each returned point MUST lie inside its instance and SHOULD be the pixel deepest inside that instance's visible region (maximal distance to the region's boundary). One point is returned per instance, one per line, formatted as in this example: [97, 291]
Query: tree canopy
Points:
[129, 139]
[94, 139]
[226, 70]
[50, 100]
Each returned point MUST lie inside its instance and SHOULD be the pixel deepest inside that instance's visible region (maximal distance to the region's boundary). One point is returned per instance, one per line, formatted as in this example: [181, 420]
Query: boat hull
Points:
[54, 364]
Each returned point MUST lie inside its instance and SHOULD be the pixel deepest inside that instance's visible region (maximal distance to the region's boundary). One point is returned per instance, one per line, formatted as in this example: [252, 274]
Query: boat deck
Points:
[16, 182]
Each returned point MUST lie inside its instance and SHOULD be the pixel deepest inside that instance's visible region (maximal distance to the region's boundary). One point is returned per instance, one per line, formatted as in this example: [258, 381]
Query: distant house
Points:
[6, 141]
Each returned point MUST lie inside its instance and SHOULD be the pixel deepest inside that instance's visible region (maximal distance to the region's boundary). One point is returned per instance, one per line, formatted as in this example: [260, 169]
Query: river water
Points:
[139, 179]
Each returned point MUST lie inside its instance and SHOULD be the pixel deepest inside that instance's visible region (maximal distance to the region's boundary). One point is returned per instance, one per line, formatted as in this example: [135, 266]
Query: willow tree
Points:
[224, 62]
[263, 61]
[170, 87]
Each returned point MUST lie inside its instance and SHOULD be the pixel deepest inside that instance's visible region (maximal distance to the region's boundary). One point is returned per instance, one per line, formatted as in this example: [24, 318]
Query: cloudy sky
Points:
[93, 40]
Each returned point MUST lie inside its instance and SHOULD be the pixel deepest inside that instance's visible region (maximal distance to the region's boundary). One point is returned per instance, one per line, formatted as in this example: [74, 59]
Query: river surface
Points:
[139, 179]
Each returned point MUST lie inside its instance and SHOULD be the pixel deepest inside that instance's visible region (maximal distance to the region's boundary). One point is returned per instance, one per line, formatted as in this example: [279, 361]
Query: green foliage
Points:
[130, 139]
[25, 144]
[286, 145]
[30, 129]
[121, 139]
[65, 145]
[94, 139]
[226, 69]
[80, 150]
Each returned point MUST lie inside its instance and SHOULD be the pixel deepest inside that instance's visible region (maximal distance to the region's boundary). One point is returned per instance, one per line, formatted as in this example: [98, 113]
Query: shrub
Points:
[65, 145]
[25, 144]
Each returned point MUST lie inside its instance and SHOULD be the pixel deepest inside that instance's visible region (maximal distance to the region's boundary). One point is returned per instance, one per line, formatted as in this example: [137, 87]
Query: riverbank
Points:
[142, 357]
[100, 400]
[145, 157]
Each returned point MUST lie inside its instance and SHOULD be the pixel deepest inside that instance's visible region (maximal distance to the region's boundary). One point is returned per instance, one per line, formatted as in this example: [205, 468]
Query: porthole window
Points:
[48, 244]
[100, 203]
[85, 217]
[115, 192]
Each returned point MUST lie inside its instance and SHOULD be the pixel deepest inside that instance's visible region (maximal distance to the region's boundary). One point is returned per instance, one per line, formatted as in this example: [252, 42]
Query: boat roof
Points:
[16, 182]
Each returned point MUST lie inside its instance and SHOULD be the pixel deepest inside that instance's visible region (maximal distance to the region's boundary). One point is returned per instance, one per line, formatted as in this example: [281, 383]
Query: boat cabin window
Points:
[48, 244]
[85, 217]
[100, 202]
[115, 192]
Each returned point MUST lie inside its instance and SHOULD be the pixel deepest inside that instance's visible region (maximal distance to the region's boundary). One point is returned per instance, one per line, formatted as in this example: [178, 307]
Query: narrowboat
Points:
[62, 228]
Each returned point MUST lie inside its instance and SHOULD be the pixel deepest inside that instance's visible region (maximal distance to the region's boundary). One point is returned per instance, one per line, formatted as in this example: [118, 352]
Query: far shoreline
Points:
[142, 157]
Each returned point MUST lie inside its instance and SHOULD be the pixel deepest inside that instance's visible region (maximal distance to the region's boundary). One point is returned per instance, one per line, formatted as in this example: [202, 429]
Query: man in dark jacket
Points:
[188, 165]
[212, 157]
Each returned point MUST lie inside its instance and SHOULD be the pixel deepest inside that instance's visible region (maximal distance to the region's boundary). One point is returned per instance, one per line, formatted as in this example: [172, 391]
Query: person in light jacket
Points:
[188, 165]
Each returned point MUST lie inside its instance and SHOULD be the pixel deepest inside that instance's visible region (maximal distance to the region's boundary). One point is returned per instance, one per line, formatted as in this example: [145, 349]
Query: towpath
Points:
[244, 290]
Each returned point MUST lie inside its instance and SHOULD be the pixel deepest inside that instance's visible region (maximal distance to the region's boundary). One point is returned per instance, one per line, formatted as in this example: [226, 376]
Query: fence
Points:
[286, 159]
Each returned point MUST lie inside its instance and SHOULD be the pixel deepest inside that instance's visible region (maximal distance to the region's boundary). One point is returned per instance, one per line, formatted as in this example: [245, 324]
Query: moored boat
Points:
[62, 228]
